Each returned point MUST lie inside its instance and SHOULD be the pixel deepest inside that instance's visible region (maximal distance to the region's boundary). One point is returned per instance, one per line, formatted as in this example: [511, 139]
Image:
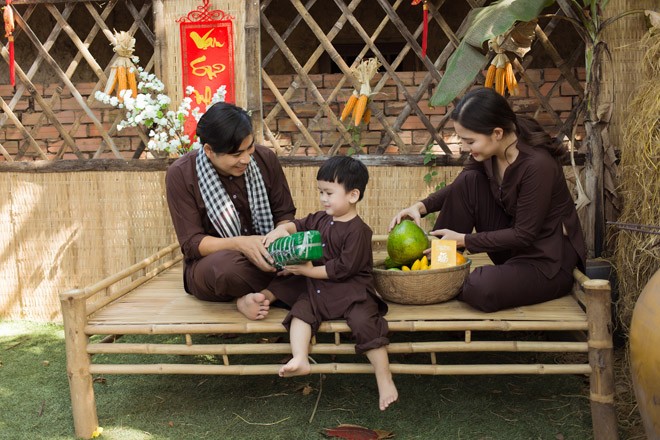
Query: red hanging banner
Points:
[207, 56]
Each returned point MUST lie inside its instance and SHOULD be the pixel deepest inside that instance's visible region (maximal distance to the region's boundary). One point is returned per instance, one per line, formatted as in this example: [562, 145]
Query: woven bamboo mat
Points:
[163, 301]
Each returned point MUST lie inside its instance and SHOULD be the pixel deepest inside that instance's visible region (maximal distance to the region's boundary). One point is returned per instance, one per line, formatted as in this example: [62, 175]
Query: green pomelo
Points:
[406, 243]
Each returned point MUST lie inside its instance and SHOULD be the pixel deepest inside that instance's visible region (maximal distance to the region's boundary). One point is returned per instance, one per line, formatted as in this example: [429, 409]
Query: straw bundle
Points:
[637, 253]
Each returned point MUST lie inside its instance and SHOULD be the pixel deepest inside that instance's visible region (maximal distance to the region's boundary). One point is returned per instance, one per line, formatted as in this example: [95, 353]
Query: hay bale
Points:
[637, 254]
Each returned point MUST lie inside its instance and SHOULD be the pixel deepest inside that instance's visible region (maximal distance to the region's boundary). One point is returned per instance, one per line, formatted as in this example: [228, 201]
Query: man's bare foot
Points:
[387, 391]
[253, 305]
[295, 367]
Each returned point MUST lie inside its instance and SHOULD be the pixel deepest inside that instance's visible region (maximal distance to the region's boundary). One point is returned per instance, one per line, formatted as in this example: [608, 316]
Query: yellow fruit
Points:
[406, 243]
[405, 268]
[416, 265]
[460, 259]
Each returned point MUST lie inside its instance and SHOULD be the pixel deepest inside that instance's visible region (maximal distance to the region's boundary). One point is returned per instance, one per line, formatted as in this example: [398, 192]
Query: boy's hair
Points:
[345, 170]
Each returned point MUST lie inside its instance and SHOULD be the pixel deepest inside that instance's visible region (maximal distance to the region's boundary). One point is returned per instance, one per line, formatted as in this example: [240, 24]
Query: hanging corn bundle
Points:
[356, 106]
[122, 75]
[500, 72]
[514, 43]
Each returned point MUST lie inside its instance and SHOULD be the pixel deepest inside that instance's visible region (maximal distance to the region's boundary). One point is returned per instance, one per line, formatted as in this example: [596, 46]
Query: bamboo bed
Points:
[148, 299]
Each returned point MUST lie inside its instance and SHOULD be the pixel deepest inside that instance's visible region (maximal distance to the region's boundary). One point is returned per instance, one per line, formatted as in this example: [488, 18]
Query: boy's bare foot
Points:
[295, 367]
[253, 305]
[387, 391]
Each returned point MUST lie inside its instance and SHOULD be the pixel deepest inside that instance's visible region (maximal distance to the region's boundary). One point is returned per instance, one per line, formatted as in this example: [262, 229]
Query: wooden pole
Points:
[252, 68]
[78, 363]
[601, 359]
[159, 46]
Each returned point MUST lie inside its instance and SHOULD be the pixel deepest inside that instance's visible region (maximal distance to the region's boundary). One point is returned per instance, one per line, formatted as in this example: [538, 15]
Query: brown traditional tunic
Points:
[223, 275]
[348, 292]
[519, 224]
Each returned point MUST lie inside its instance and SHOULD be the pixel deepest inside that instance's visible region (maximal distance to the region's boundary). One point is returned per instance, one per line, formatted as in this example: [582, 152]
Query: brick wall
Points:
[390, 100]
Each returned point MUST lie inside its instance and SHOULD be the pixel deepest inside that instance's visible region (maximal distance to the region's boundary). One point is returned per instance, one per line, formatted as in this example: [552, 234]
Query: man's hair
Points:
[224, 127]
[345, 170]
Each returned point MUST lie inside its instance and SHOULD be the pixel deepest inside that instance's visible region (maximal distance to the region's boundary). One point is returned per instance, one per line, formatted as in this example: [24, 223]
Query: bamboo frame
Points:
[82, 312]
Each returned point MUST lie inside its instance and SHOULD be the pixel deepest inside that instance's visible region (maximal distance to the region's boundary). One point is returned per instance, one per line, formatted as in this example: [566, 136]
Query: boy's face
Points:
[335, 199]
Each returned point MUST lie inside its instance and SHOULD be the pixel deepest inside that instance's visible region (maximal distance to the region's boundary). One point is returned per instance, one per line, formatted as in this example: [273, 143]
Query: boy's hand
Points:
[298, 269]
[274, 235]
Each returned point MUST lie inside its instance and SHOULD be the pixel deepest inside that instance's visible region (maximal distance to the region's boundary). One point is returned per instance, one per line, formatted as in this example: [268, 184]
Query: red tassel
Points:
[425, 31]
[12, 69]
[8, 16]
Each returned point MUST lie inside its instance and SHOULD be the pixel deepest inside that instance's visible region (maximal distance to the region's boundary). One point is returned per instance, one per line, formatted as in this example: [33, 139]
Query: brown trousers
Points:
[226, 275]
[364, 317]
[471, 205]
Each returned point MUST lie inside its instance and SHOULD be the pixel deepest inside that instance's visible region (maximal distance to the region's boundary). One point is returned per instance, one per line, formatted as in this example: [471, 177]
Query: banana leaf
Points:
[483, 24]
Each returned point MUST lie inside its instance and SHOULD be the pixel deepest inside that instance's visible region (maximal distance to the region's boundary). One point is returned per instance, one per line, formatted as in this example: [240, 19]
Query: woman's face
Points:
[234, 164]
[481, 146]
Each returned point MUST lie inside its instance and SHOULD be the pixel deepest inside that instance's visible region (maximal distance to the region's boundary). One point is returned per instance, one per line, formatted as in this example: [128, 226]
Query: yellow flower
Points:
[97, 432]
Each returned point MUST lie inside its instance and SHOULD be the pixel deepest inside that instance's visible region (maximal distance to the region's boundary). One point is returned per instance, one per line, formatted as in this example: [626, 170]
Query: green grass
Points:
[35, 404]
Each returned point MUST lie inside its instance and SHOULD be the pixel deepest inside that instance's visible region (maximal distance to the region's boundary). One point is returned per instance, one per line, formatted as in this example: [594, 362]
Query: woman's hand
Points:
[253, 248]
[448, 234]
[274, 235]
[414, 212]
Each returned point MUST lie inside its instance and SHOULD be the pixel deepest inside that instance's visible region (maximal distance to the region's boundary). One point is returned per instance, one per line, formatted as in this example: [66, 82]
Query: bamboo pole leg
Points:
[83, 404]
[601, 359]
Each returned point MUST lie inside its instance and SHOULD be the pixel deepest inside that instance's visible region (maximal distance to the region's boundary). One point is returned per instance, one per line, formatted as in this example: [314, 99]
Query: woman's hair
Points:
[482, 110]
[345, 170]
[224, 127]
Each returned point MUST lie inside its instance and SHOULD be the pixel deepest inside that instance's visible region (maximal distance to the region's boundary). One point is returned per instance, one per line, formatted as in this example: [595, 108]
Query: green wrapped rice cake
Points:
[296, 248]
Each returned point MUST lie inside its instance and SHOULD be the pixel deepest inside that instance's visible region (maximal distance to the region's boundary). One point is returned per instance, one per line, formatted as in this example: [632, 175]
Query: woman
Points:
[511, 201]
[223, 198]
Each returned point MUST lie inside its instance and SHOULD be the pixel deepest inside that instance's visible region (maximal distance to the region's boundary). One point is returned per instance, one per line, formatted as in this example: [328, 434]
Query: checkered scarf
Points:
[221, 209]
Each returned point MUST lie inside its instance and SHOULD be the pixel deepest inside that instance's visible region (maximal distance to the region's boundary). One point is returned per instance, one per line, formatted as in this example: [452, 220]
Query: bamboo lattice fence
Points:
[48, 80]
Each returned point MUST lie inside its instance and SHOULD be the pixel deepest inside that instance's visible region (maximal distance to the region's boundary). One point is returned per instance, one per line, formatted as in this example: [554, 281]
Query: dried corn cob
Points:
[350, 106]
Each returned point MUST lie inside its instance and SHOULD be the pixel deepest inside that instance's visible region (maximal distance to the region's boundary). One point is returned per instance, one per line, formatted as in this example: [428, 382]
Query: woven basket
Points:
[420, 286]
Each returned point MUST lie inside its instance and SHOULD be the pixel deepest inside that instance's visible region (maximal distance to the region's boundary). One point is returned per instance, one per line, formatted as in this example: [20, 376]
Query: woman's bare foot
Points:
[253, 305]
[387, 391]
[295, 367]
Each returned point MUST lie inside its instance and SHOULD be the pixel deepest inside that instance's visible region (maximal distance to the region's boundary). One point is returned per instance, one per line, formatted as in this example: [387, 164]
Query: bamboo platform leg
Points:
[601, 359]
[83, 404]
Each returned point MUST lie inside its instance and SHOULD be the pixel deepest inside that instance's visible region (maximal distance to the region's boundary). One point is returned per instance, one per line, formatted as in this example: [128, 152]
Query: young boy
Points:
[340, 285]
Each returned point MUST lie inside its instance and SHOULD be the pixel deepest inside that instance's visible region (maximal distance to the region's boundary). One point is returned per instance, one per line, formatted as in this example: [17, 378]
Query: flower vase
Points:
[645, 355]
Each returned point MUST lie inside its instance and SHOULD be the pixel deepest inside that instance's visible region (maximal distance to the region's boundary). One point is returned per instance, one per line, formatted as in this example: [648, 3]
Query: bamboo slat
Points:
[340, 368]
[253, 58]
[161, 306]
[339, 349]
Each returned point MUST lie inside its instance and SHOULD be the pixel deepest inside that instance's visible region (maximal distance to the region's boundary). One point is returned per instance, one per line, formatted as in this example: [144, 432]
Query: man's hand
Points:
[254, 250]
